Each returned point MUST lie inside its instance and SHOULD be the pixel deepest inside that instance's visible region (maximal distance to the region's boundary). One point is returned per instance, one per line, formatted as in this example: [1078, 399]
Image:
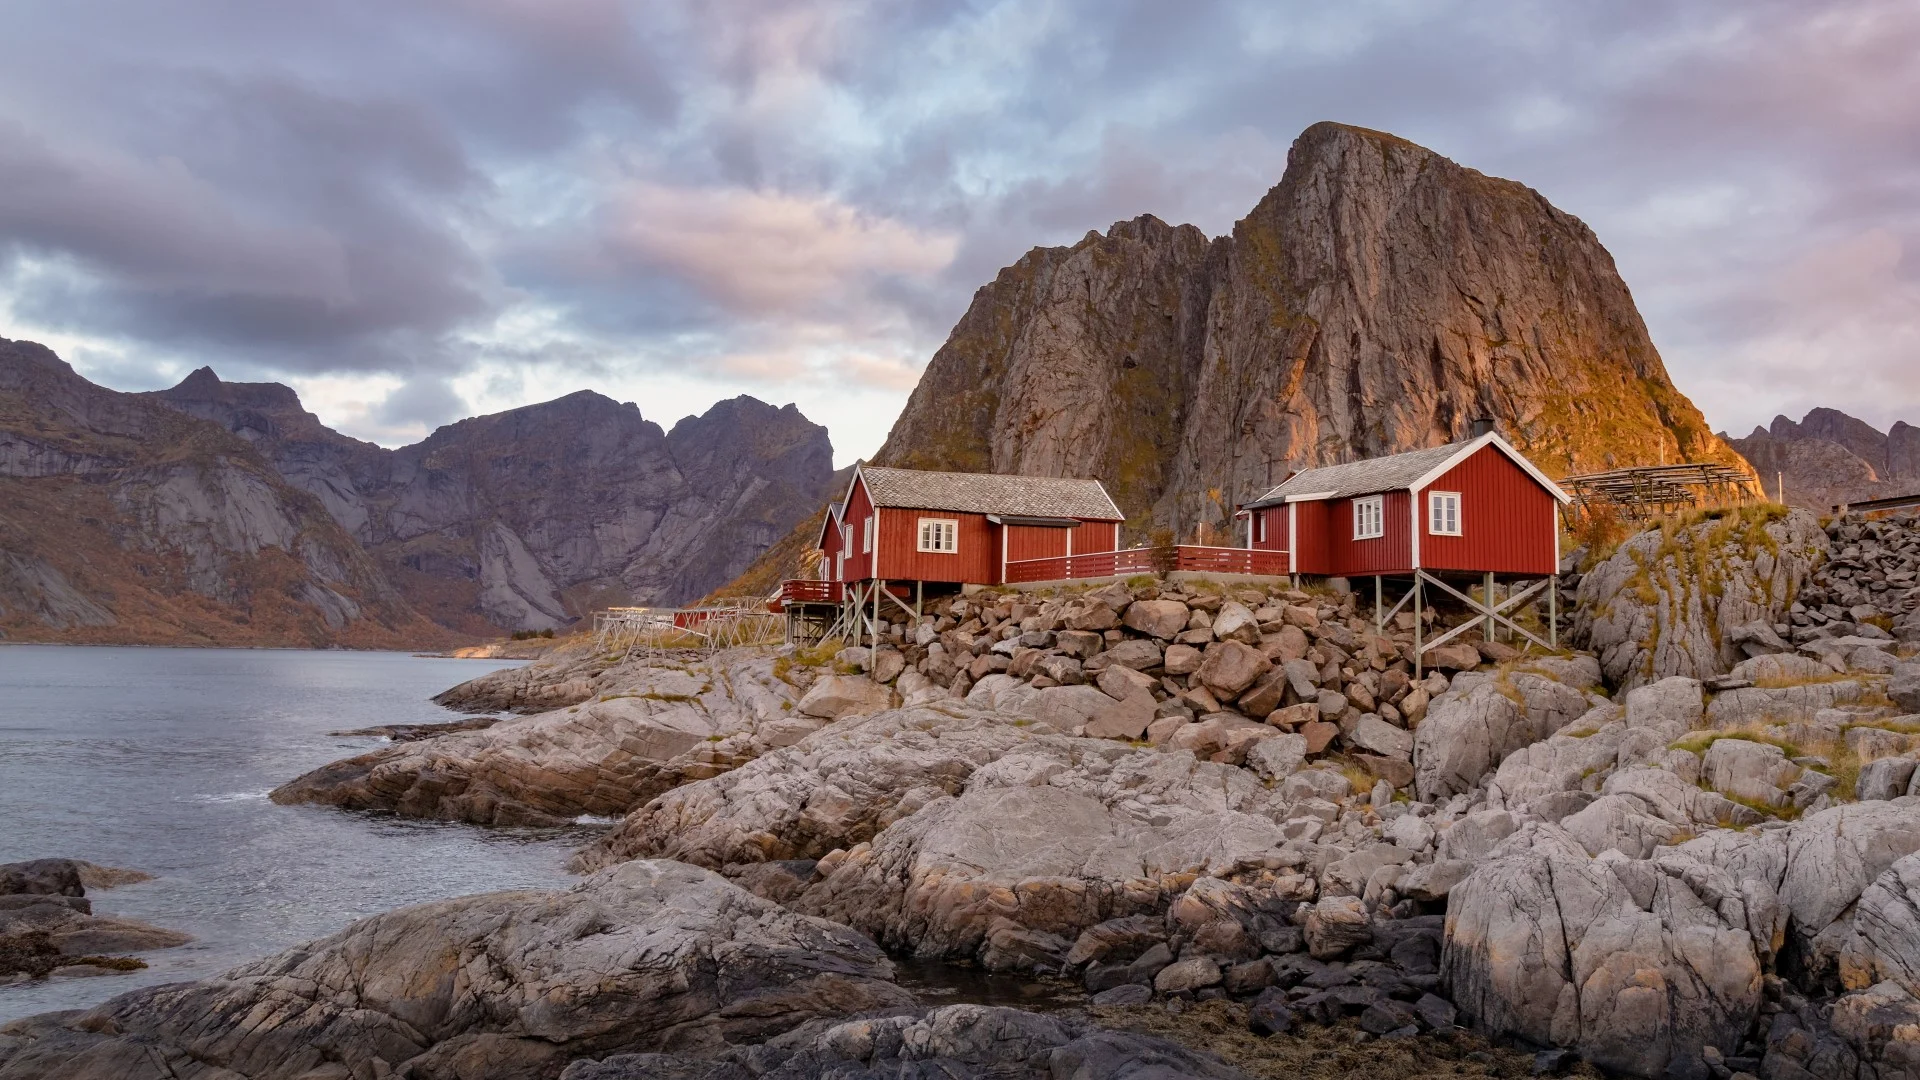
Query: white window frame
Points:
[1437, 520]
[866, 533]
[939, 536]
[1369, 518]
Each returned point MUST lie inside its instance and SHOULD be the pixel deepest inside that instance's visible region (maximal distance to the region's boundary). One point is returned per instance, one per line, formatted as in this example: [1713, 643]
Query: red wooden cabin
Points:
[1476, 507]
[960, 528]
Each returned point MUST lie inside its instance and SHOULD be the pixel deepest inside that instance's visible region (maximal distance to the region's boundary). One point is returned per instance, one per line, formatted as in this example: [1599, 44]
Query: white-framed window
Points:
[866, 536]
[939, 534]
[1369, 518]
[846, 539]
[1443, 513]
[1259, 526]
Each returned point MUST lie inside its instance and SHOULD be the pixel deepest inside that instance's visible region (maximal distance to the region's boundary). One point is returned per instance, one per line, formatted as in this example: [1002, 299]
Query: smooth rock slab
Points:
[1551, 945]
[642, 957]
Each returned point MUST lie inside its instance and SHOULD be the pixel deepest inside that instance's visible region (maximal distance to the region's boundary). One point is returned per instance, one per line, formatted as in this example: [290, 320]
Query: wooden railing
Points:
[798, 591]
[1206, 560]
[1225, 560]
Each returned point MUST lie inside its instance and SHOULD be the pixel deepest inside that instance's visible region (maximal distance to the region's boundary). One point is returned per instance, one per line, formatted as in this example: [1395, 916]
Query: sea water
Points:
[161, 759]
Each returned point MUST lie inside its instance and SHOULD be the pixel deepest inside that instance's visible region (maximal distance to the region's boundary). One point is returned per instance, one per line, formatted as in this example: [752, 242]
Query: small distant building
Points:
[911, 525]
[1475, 507]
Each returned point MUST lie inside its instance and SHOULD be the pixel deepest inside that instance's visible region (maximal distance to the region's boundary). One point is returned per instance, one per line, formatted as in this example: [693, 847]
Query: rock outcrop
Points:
[48, 926]
[1378, 299]
[648, 727]
[1670, 600]
[643, 957]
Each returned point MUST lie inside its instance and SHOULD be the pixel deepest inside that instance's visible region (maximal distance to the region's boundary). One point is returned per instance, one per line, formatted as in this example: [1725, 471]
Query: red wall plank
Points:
[1092, 536]
[1275, 518]
[977, 561]
[1389, 553]
[1035, 542]
[1508, 522]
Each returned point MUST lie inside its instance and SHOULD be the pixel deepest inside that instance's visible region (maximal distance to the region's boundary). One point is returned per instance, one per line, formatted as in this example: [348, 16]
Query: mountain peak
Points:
[1347, 315]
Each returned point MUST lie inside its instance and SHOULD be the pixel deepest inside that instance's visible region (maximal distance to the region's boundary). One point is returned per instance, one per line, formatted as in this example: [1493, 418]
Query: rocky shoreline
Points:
[48, 928]
[1233, 817]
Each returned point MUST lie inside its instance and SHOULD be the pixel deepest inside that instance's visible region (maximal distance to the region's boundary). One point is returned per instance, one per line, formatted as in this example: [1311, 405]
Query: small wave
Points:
[230, 796]
[595, 819]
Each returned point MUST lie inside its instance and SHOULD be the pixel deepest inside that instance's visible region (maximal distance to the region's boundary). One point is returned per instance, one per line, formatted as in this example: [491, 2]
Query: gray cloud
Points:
[476, 200]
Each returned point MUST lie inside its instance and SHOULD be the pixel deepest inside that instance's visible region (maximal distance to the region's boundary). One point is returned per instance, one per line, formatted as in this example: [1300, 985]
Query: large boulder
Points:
[1622, 961]
[640, 957]
[602, 757]
[980, 876]
[1156, 618]
[1468, 731]
[1229, 667]
[1668, 602]
[834, 696]
[1832, 857]
[1904, 686]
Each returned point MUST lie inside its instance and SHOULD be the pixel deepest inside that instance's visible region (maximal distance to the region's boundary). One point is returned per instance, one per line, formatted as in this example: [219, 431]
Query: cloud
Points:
[761, 253]
[476, 203]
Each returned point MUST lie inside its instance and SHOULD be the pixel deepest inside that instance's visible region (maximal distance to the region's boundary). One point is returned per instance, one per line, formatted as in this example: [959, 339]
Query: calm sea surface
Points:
[161, 760]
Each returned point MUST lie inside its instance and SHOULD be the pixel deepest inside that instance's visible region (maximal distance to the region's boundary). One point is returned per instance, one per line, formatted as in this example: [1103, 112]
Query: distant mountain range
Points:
[225, 513]
[1830, 458]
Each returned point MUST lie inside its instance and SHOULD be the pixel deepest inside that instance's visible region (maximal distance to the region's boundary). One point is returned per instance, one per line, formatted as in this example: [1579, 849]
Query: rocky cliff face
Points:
[123, 520]
[529, 518]
[1830, 457]
[1378, 299]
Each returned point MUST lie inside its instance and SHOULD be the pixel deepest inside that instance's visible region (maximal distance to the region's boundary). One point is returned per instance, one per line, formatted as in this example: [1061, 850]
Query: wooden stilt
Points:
[1486, 598]
[1379, 608]
[1418, 653]
[1553, 611]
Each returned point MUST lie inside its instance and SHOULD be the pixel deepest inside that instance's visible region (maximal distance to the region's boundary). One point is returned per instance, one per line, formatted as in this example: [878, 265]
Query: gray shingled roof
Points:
[985, 493]
[1390, 473]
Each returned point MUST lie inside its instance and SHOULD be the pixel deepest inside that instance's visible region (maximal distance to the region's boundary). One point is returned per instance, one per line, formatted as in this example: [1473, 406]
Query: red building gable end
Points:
[1509, 524]
[1507, 512]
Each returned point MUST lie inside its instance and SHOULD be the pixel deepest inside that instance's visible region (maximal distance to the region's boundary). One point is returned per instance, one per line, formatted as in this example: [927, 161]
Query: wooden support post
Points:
[1379, 608]
[1418, 656]
[1486, 598]
[873, 628]
[919, 592]
[1553, 611]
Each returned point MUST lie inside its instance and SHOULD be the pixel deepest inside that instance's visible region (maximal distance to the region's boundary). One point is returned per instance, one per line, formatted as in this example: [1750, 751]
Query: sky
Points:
[413, 212]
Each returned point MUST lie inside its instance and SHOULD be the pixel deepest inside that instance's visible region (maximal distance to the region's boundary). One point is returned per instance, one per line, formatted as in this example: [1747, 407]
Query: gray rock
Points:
[1887, 778]
[1231, 666]
[1467, 733]
[1163, 619]
[1380, 737]
[1233, 622]
[1126, 994]
[836, 696]
[640, 957]
[1194, 973]
[1549, 945]
[647, 727]
[1751, 573]
[1904, 687]
[1277, 758]
[1336, 924]
[1750, 771]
